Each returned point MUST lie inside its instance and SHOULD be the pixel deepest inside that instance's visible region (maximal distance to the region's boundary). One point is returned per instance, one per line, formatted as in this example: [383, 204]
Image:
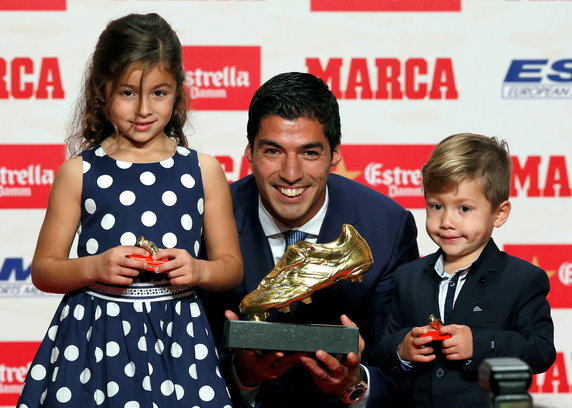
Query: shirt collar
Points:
[273, 227]
[440, 267]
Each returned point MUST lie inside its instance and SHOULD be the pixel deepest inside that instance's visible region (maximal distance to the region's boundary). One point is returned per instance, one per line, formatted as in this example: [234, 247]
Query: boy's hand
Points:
[415, 348]
[460, 345]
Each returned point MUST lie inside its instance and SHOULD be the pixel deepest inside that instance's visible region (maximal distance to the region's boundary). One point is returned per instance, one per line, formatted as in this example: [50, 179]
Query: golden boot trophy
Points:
[304, 269]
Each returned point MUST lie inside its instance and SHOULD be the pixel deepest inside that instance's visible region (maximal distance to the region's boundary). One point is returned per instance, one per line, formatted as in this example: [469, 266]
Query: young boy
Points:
[500, 307]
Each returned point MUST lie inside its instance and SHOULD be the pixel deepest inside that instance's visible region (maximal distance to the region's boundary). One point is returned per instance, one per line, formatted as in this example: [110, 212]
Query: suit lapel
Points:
[340, 211]
[427, 291]
[256, 252]
[482, 273]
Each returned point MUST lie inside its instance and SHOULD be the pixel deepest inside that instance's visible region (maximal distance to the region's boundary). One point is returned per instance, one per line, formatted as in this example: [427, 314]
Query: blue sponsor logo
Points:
[538, 79]
[15, 279]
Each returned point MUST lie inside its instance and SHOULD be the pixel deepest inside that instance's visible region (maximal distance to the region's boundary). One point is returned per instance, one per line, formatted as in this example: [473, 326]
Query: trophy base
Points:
[151, 263]
[435, 335]
[290, 337]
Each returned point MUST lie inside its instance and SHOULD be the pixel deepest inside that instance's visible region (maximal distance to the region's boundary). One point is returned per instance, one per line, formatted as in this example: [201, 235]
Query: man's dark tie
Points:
[293, 236]
[450, 297]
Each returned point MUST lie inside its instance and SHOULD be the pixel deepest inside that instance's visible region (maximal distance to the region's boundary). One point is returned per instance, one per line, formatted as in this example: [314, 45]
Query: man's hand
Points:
[331, 375]
[253, 367]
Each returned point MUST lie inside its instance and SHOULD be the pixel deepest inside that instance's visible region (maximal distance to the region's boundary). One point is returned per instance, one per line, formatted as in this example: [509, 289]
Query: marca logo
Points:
[555, 380]
[15, 361]
[556, 260]
[387, 78]
[538, 79]
[22, 78]
[33, 5]
[27, 173]
[221, 78]
[527, 177]
[387, 169]
[386, 5]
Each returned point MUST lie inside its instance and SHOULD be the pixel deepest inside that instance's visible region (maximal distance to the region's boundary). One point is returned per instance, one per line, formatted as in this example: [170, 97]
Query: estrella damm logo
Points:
[221, 77]
[556, 260]
[27, 173]
[393, 170]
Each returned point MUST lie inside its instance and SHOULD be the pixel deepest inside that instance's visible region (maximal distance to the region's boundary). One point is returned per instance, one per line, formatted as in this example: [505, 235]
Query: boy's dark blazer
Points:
[503, 301]
[391, 234]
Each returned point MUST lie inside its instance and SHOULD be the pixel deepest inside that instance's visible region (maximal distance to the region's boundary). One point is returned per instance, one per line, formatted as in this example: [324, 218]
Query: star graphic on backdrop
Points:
[343, 171]
[536, 263]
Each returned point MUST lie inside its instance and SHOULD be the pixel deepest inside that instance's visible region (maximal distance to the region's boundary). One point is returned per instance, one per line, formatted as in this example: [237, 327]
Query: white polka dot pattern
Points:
[148, 218]
[128, 238]
[187, 180]
[147, 178]
[104, 181]
[90, 205]
[127, 198]
[123, 165]
[64, 395]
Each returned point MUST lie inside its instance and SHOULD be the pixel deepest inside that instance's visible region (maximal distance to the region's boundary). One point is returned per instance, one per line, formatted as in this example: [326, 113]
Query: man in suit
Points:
[293, 145]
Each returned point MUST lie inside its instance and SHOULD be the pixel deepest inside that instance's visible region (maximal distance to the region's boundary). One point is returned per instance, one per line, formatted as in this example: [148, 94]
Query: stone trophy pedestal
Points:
[290, 337]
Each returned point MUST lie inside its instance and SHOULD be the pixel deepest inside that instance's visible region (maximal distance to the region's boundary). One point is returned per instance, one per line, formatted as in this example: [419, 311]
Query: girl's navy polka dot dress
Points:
[146, 345]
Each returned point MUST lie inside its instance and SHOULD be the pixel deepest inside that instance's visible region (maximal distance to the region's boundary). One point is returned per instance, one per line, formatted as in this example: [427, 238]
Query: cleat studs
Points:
[307, 300]
[285, 309]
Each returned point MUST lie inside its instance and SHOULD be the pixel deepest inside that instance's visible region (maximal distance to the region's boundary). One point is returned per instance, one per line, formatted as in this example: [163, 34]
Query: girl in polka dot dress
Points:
[124, 336]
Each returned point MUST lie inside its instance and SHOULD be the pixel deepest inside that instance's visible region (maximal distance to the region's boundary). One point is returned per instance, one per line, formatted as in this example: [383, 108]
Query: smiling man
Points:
[294, 138]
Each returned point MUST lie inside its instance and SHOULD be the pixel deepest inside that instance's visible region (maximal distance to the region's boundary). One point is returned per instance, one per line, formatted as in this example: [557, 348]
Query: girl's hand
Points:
[182, 268]
[113, 266]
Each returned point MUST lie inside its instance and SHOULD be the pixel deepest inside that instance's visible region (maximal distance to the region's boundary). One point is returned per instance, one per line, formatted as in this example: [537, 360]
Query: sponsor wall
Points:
[407, 74]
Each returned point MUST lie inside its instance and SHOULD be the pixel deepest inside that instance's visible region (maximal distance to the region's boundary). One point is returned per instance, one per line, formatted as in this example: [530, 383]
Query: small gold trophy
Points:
[304, 269]
[151, 259]
[436, 324]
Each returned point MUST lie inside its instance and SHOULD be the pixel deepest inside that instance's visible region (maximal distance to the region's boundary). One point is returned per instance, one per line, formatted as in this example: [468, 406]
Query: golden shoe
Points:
[306, 268]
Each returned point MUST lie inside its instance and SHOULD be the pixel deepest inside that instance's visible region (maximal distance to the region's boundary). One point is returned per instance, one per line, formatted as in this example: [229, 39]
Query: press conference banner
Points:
[407, 74]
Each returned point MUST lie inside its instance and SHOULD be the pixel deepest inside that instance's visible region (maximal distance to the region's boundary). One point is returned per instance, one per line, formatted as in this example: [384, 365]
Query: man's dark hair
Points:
[294, 95]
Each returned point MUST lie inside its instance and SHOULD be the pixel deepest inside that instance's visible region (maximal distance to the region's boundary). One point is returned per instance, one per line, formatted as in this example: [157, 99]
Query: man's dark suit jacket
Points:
[503, 301]
[390, 232]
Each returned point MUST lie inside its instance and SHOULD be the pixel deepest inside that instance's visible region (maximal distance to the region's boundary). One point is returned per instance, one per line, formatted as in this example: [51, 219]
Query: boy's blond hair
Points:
[469, 157]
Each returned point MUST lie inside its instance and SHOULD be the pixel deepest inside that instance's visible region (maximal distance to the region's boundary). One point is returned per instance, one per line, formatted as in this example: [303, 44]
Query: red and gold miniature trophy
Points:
[436, 324]
[150, 259]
